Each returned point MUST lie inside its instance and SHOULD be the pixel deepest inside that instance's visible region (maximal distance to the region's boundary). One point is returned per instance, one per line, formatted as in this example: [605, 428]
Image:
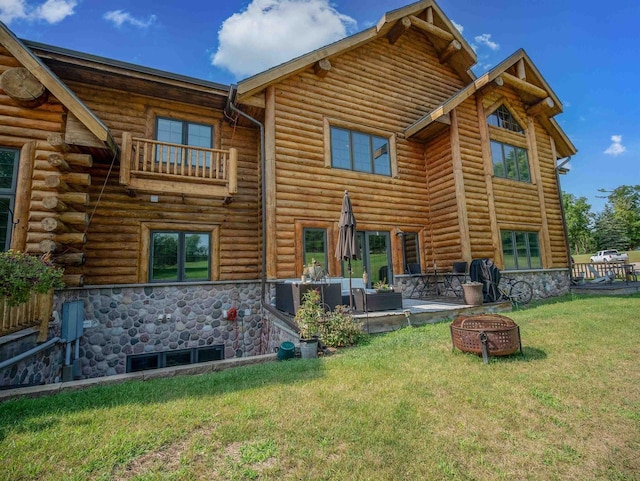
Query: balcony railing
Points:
[152, 165]
[35, 312]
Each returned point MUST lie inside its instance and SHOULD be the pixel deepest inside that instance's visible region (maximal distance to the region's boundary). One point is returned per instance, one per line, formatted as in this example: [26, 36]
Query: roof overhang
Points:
[519, 73]
[425, 16]
[54, 85]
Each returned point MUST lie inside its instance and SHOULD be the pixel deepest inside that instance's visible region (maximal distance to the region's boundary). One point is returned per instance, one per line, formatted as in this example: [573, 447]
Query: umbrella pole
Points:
[350, 292]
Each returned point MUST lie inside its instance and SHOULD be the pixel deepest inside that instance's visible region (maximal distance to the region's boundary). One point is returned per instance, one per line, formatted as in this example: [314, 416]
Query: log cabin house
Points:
[169, 200]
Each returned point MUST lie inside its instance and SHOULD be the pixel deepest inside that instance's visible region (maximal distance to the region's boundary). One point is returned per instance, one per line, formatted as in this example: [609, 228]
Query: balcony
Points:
[154, 166]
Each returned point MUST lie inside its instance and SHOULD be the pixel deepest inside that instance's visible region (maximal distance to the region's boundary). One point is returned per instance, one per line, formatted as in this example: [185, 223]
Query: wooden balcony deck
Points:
[154, 166]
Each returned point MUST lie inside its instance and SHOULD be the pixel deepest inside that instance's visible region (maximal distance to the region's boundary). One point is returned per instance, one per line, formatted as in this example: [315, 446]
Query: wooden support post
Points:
[521, 73]
[322, 67]
[20, 84]
[23, 197]
[524, 86]
[233, 171]
[542, 107]
[451, 49]
[431, 29]
[429, 14]
[125, 159]
[270, 180]
[398, 30]
[57, 142]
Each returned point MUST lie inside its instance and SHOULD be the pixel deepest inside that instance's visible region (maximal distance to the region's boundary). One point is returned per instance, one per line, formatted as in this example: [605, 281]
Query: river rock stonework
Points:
[128, 320]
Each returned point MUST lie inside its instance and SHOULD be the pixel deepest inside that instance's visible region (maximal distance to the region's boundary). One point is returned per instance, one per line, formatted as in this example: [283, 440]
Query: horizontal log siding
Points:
[478, 218]
[19, 125]
[113, 238]
[376, 86]
[551, 198]
[442, 238]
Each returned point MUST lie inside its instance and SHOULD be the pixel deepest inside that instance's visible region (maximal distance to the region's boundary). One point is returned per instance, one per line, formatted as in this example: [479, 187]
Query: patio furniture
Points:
[453, 280]
[376, 301]
[607, 278]
[289, 294]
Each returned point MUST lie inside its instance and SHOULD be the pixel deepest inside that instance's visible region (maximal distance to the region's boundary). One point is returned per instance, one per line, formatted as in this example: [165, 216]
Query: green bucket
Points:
[286, 351]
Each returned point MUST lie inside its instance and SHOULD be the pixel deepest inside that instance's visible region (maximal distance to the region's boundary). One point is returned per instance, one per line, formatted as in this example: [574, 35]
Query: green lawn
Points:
[403, 407]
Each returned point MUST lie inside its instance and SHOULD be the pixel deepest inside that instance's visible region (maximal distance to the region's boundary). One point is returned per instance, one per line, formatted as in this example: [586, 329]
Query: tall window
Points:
[8, 177]
[359, 151]
[521, 250]
[315, 246]
[510, 162]
[183, 133]
[180, 256]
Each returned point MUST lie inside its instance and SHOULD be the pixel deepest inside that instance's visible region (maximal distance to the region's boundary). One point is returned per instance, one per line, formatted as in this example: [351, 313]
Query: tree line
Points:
[616, 227]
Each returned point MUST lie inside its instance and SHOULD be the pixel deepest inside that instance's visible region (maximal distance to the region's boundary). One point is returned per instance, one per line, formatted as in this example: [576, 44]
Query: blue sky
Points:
[587, 51]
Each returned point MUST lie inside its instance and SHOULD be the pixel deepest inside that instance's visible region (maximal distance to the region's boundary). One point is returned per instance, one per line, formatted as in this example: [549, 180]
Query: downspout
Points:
[263, 278]
[564, 220]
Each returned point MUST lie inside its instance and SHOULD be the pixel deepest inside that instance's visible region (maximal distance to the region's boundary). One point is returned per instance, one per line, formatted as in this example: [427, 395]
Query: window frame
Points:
[182, 256]
[144, 260]
[10, 195]
[503, 161]
[330, 123]
[185, 130]
[404, 250]
[514, 247]
[304, 245]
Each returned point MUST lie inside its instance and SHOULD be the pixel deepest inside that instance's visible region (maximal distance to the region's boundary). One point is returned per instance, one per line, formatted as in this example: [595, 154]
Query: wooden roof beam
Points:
[543, 107]
[450, 50]
[398, 30]
[431, 29]
[322, 67]
[524, 86]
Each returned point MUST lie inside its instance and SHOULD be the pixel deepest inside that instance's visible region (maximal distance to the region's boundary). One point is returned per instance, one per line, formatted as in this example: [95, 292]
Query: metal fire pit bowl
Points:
[486, 334]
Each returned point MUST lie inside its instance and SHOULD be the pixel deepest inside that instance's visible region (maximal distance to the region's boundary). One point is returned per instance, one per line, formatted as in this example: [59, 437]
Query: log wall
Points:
[118, 217]
[376, 86]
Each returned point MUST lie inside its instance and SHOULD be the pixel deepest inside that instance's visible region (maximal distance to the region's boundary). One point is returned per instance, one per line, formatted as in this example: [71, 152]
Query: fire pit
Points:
[486, 334]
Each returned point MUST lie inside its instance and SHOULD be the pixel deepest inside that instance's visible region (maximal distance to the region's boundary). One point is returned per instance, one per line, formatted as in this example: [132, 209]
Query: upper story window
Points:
[8, 177]
[183, 133]
[501, 117]
[359, 151]
[510, 162]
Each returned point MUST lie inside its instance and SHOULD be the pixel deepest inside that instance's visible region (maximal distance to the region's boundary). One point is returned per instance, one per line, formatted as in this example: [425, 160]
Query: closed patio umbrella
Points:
[348, 247]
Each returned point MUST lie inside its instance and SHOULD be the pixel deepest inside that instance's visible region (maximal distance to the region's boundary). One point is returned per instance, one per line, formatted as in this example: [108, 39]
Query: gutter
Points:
[263, 278]
[562, 213]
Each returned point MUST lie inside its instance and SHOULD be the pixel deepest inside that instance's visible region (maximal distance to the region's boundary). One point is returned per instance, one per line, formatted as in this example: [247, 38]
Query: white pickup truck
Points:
[610, 255]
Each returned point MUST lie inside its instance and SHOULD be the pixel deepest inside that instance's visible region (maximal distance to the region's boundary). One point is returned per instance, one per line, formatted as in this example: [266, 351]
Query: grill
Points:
[486, 334]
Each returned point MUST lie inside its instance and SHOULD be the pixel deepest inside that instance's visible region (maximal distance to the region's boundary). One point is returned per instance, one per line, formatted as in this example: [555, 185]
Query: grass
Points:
[405, 406]
[634, 256]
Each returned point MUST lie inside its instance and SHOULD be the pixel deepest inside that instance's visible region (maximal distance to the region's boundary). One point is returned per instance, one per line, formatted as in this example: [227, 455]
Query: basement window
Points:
[180, 357]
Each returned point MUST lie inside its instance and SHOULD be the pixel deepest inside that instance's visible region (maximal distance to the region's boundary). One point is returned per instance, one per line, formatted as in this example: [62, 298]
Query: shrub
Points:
[340, 329]
[22, 274]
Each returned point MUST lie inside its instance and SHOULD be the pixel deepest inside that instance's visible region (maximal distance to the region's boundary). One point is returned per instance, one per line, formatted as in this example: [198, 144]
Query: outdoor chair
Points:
[414, 269]
[359, 299]
[607, 278]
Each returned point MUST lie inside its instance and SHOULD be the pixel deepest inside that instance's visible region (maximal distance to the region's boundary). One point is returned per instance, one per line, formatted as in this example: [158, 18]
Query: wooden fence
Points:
[35, 312]
[619, 269]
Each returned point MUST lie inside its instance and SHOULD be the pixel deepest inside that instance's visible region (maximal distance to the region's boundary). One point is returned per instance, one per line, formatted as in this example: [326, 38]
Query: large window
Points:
[8, 178]
[183, 133]
[360, 151]
[510, 162]
[521, 250]
[315, 246]
[179, 256]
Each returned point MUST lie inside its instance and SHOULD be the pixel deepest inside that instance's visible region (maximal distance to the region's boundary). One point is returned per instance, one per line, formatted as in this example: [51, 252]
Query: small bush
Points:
[22, 274]
[340, 329]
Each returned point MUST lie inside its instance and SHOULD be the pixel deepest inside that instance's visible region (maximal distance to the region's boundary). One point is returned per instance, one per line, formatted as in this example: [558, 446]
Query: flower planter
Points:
[472, 292]
[308, 348]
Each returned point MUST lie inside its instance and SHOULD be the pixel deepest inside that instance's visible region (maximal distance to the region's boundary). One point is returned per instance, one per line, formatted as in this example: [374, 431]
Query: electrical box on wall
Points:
[72, 320]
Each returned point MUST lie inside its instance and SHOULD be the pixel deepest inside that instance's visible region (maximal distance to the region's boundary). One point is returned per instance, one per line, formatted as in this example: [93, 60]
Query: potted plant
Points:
[308, 318]
[21, 275]
[313, 271]
[472, 292]
[382, 286]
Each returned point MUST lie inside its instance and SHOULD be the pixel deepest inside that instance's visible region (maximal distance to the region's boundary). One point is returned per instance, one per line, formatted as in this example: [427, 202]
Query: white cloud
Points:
[120, 17]
[458, 26]
[51, 11]
[485, 39]
[270, 32]
[616, 148]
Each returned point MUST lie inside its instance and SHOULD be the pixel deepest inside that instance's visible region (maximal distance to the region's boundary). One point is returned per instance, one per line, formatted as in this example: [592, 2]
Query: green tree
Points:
[608, 232]
[579, 220]
[624, 202]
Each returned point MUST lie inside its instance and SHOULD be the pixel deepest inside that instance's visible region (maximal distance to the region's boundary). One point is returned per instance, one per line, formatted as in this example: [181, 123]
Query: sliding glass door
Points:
[375, 249]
